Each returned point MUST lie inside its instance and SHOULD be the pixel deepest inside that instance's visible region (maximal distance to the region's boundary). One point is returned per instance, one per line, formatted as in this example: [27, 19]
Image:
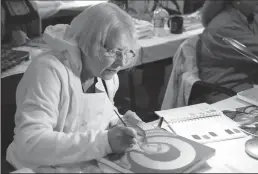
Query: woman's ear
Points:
[137, 49]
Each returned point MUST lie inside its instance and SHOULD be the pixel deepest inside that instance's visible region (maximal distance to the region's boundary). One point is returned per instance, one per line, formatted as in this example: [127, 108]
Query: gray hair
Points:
[92, 27]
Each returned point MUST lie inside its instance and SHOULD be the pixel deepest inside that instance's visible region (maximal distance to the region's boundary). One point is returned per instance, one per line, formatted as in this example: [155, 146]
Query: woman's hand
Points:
[121, 138]
[129, 116]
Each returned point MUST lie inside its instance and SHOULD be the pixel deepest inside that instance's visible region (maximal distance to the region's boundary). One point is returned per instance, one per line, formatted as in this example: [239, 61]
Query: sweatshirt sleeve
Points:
[243, 34]
[232, 30]
[209, 10]
[36, 139]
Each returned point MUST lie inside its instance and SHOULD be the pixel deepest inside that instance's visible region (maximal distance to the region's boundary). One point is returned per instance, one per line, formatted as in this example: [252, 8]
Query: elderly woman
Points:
[65, 112]
[218, 62]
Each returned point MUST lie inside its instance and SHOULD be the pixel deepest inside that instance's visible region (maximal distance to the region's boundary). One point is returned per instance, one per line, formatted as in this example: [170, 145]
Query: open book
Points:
[201, 123]
[162, 151]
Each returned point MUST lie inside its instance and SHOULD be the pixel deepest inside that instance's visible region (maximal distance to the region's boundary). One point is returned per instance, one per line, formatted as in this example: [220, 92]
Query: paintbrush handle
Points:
[118, 115]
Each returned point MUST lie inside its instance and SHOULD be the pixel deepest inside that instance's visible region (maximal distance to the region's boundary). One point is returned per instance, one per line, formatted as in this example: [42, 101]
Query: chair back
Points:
[8, 108]
[184, 74]
[201, 89]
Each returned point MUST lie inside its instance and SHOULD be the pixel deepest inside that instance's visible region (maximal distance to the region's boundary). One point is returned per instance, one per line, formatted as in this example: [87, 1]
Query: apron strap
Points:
[105, 86]
[95, 80]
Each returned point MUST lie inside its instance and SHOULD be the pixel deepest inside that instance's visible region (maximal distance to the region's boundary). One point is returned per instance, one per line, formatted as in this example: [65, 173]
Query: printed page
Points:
[206, 130]
[189, 112]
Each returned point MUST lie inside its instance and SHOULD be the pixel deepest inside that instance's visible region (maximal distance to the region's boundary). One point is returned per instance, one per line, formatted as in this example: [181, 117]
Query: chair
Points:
[184, 86]
[8, 109]
[201, 88]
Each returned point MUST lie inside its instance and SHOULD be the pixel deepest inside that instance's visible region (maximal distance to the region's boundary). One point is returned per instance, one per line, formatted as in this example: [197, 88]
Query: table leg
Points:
[153, 81]
[132, 91]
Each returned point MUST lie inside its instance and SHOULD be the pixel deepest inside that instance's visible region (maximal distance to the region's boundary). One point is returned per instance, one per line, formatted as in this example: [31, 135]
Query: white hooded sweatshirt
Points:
[50, 108]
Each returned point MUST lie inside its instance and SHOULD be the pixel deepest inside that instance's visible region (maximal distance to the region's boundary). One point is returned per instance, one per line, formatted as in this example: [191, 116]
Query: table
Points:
[153, 49]
[61, 8]
[159, 48]
[230, 155]
[21, 68]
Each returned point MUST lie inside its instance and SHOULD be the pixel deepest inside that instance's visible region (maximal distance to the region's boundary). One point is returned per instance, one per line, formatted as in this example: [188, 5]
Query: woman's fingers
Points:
[132, 117]
[131, 132]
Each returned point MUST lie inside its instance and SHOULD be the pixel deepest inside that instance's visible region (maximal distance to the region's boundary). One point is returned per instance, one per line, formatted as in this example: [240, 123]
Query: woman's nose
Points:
[121, 61]
[118, 63]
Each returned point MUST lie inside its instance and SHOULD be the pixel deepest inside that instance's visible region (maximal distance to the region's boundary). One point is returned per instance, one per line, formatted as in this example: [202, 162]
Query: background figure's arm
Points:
[222, 50]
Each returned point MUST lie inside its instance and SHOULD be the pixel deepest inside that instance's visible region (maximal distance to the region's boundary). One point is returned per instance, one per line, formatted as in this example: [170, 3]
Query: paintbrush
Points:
[118, 115]
[120, 118]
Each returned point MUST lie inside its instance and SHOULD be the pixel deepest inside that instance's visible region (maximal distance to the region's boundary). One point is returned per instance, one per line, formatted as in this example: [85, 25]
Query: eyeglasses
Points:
[125, 56]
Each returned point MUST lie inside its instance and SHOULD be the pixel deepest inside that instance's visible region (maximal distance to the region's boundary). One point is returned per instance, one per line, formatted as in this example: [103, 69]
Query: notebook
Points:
[249, 96]
[201, 123]
[162, 152]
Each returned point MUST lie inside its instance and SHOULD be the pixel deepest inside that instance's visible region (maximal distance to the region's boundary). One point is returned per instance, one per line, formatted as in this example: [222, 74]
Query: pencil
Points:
[160, 121]
[120, 118]
[167, 123]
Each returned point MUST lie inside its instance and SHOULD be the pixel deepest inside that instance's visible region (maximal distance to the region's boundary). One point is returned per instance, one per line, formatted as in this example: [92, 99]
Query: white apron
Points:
[100, 111]
[98, 107]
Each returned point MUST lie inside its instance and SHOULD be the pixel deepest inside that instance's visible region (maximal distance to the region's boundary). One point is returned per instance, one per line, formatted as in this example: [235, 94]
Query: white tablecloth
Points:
[47, 9]
[158, 48]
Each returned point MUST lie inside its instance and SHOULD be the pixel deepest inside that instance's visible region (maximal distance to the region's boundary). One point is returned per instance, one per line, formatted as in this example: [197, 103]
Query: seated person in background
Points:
[218, 63]
[65, 112]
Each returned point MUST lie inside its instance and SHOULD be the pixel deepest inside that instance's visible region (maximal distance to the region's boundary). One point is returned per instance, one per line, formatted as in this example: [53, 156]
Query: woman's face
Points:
[115, 54]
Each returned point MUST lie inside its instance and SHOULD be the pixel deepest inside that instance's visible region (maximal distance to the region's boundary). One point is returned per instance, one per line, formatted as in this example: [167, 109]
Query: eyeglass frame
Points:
[114, 54]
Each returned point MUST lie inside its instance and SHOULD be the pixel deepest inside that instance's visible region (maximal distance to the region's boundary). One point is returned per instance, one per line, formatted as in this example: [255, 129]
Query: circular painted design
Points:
[159, 145]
